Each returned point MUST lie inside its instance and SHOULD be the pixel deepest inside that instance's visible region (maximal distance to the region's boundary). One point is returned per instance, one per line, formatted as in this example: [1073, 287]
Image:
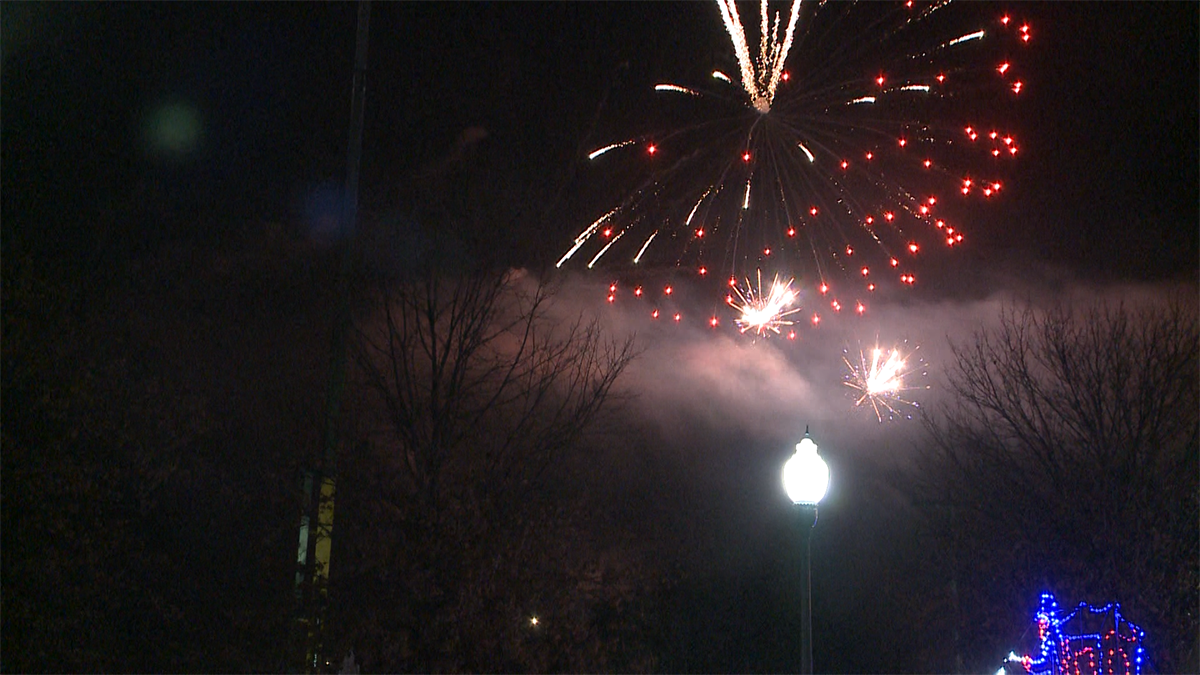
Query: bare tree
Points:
[475, 376]
[1067, 457]
[474, 389]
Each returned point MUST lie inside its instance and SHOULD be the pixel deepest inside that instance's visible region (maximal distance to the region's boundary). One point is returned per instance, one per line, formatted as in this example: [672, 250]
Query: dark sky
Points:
[1107, 182]
[199, 121]
[1112, 182]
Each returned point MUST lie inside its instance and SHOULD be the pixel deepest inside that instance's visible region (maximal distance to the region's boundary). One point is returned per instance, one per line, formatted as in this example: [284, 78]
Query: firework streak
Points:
[847, 145]
[878, 380]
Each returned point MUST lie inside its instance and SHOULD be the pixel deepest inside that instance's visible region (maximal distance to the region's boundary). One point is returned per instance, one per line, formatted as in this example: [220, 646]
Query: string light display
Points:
[1088, 640]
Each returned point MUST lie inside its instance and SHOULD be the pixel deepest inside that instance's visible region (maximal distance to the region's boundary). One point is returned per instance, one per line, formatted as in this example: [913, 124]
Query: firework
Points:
[878, 380]
[763, 312]
[761, 78]
[838, 154]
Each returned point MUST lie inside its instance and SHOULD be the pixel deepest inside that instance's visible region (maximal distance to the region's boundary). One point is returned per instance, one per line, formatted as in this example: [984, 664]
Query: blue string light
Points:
[1085, 641]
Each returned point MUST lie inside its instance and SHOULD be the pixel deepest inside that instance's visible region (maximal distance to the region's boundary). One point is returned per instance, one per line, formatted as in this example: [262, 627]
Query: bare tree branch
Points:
[1068, 449]
[476, 389]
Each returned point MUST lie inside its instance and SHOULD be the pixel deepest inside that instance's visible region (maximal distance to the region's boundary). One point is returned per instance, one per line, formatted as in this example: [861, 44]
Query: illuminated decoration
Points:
[1085, 641]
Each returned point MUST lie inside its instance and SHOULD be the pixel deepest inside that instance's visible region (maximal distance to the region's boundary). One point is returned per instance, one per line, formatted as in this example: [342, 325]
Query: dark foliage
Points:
[1068, 462]
[149, 466]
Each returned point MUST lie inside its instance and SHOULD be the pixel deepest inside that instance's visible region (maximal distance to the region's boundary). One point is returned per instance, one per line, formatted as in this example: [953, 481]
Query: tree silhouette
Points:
[1066, 459]
[473, 386]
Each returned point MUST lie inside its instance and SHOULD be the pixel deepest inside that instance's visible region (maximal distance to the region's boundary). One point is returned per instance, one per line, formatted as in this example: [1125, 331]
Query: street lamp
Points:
[806, 478]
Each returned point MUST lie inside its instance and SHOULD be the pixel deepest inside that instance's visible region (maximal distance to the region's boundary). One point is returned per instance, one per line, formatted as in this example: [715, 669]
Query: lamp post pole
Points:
[808, 518]
[806, 479]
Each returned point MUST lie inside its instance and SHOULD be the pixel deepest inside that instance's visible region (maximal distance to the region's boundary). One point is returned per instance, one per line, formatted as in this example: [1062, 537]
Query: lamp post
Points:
[806, 478]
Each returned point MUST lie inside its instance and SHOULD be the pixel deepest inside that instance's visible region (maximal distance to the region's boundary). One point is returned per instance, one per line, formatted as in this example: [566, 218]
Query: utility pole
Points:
[320, 481]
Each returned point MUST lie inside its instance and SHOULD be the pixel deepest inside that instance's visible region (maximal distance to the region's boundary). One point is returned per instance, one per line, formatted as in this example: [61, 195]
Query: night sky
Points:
[134, 128]
[1109, 120]
[1109, 117]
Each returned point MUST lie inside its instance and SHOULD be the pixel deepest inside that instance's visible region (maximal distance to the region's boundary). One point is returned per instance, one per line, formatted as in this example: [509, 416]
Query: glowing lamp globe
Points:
[805, 475]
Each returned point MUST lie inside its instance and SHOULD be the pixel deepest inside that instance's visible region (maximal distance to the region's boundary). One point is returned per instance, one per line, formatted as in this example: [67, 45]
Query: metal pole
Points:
[807, 522]
[321, 481]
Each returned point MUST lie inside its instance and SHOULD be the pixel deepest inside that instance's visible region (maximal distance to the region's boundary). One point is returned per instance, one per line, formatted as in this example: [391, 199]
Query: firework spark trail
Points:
[600, 151]
[763, 312]
[880, 380]
[760, 78]
[675, 88]
[584, 236]
[605, 249]
[841, 171]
